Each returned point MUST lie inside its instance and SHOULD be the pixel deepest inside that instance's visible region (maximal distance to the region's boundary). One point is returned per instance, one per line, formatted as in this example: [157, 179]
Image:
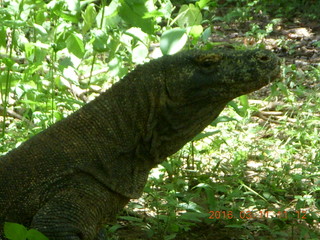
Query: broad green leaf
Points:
[58, 8]
[173, 41]
[202, 3]
[189, 15]
[111, 16]
[73, 5]
[63, 32]
[29, 51]
[133, 12]
[40, 29]
[238, 110]
[166, 9]
[35, 235]
[89, 17]
[8, 62]
[138, 35]
[36, 52]
[100, 41]
[190, 205]
[116, 68]
[196, 31]
[139, 53]
[13, 23]
[206, 34]
[40, 17]
[70, 74]
[75, 45]
[14, 231]
[69, 17]
[244, 101]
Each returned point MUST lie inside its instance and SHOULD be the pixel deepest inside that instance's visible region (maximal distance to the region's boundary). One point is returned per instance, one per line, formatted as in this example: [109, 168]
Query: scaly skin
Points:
[71, 179]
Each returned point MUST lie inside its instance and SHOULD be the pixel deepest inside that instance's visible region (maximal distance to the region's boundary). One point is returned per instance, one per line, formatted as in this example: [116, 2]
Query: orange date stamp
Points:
[248, 215]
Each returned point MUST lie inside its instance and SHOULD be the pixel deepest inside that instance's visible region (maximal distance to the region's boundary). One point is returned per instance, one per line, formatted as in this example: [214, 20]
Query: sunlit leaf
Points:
[173, 41]
[14, 231]
[75, 45]
[134, 12]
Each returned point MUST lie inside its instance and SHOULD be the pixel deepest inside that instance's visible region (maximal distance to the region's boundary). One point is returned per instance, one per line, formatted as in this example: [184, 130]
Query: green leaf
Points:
[13, 23]
[206, 34]
[40, 29]
[35, 235]
[116, 68]
[166, 9]
[191, 216]
[192, 206]
[110, 17]
[139, 53]
[8, 62]
[153, 14]
[114, 228]
[134, 12]
[3, 40]
[205, 134]
[69, 17]
[14, 231]
[173, 41]
[100, 41]
[131, 219]
[244, 101]
[189, 15]
[75, 45]
[195, 31]
[89, 17]
[234, 105]
[40, 17]
[202, 3]
[222, 119]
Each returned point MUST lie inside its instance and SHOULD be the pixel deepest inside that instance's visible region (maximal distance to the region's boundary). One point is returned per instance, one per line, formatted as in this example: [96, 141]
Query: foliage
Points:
[14, 231]
[64, 43]
[57, 55]
[244, 10]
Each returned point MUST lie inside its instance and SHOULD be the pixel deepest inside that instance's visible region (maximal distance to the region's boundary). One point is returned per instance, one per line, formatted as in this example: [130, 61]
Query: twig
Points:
[265, 115]
[262, 116]
[16, 115]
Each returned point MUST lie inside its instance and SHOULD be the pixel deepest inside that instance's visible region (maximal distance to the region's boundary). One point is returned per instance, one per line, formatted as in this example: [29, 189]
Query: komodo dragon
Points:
[72, 178]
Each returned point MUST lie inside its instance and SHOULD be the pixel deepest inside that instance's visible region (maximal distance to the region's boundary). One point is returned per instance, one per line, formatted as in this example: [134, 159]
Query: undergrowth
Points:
[255, 171]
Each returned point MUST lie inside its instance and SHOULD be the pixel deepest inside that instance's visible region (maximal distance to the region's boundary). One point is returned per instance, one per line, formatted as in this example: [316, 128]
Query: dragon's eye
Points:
[207, 63]
[209, 60]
